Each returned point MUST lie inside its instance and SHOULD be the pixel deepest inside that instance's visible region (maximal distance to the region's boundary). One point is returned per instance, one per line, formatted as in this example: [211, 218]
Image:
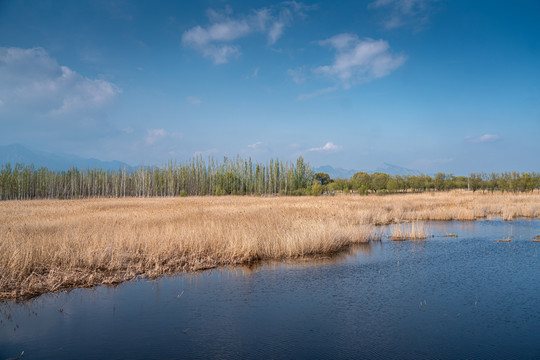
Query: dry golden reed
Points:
[46, 245]
[410, 231]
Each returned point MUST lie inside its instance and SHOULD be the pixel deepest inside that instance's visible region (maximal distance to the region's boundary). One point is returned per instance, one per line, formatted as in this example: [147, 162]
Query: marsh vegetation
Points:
[57, 244]
[411, 231]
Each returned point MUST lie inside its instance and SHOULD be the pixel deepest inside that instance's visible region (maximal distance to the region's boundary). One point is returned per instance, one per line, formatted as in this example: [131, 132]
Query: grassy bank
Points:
[46, 245]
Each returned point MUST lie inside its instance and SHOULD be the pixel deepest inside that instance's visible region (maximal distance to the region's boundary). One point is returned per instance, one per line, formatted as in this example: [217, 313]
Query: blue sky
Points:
[449, 86]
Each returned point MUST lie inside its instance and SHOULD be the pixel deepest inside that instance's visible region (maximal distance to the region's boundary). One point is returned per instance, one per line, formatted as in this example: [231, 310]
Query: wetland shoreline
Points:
[50, 245]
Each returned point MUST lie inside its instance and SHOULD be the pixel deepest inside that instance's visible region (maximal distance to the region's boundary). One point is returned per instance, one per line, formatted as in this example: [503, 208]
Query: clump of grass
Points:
[536, 238]
[450, 235]
[504, 240]
[412, 231]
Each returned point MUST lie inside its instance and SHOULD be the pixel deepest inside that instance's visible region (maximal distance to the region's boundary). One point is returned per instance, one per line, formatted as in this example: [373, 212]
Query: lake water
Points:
[447, 298]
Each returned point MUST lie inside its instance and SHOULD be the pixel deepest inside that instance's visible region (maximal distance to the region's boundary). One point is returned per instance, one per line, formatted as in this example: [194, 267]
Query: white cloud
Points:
[359, 60]
[214, 41]
[276, 30]
[255, 72]
[193, 100]
[317, 93]
[483, 139]
[154, 136]
[340, 41]
[254, 146]
[404, 12]
[225, 31]
[298, 75]
[328, 147]
[253, 75]
[32, 81]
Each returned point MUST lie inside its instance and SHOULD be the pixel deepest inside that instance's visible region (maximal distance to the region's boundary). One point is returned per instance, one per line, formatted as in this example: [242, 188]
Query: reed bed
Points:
[47, 245]
[411, 231]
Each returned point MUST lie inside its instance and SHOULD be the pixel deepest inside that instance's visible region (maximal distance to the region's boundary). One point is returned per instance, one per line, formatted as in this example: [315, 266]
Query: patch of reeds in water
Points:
[411, 231]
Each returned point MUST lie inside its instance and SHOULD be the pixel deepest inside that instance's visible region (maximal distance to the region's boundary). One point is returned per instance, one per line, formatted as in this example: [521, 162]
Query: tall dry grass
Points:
[47, 245]
[410, 231]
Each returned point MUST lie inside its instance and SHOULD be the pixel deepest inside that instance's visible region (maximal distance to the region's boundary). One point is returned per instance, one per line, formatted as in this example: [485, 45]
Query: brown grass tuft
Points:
[412, 231]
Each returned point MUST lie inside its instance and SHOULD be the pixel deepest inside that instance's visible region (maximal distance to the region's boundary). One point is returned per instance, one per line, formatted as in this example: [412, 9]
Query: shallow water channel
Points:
[445, 297]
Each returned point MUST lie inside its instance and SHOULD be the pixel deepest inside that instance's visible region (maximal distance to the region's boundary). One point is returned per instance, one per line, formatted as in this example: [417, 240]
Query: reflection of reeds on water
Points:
[303, 262]
[47, 245]
[412, 231]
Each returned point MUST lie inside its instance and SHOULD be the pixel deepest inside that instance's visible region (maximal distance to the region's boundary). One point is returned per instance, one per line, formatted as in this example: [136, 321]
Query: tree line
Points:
[382, 183]
[195, 177]
[234, 177]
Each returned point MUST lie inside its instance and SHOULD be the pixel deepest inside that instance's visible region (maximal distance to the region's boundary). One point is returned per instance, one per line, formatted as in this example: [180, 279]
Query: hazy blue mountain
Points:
[17, 153]
[396, 170]
[336, 173]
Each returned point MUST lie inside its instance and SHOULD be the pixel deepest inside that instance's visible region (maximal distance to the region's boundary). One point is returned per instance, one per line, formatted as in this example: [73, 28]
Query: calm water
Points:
[448, 298]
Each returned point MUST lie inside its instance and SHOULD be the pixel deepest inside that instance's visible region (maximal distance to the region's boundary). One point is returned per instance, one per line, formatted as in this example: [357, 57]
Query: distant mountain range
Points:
[336, 173]
[396, 170]
[17, 153]
[339, 173]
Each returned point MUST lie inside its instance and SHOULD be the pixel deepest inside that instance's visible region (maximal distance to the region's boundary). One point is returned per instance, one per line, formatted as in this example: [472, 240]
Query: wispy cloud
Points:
[359, 60]
[482, 139]
[193, 100]
[253, 75]
[404, 12]
[298, 75]
[317, 93]
[216, 39]
[154, 136]
[328, 147]
[32, 80]
[255, 145]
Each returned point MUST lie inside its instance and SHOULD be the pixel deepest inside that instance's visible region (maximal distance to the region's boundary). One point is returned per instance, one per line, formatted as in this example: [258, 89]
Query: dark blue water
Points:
[443, 298]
